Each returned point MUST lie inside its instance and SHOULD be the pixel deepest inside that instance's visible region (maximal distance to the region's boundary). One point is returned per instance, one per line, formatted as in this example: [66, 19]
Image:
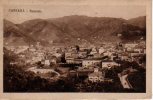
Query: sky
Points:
[55, 11]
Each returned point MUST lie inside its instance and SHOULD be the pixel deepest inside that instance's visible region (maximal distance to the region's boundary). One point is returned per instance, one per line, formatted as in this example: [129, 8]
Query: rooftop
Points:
[96, 74]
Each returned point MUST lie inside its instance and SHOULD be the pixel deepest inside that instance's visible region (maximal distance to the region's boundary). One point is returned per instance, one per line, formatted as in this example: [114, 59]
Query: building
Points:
[58, 55]
[82, 54]
[129, 49]
[47, 62]
[130, 45]
[96, 76]
[91, 63]
[109, 64]
[125, 56]
[32, 48]
[101, 50]
[54, 60]
[139, 49]
[119, 34]
[107, 53]
[72, 60]
[35, 59]
[93, 51]
[134, 53]
[71, 55]
[113, 56]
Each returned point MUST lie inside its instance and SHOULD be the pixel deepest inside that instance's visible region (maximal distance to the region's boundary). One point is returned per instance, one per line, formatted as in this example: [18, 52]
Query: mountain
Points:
[139, 21]
[70, 30]
[13, 35]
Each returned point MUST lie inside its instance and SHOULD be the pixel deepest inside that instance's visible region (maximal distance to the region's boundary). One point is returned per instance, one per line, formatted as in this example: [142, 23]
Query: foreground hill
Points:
[73, 30]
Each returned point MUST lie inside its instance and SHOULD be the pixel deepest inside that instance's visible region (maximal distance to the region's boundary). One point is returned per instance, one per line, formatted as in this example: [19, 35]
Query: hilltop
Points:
[74, 29]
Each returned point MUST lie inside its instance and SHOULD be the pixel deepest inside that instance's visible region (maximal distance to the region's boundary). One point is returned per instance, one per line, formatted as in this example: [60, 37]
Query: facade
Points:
[131, 45]
[119, 35]
[96, 76]
[140, 50]
[82, 54]
[47, 62]
[124, 56]
[134, 53]
[93, 51]
[107, 53]
[71, 55]
[53, 60]
[101, 50]
[109, 64]
[91, 63]
[72, 60]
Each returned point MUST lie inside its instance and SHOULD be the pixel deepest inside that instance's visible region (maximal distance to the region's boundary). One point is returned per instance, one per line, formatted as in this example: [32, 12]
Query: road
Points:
[124, 81]
[41, 70]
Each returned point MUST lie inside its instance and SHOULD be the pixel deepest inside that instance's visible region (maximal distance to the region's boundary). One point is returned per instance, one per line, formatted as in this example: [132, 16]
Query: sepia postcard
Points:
[75, 49]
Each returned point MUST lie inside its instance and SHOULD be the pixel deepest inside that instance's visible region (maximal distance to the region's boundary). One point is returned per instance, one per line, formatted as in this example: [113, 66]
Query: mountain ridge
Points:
[77, 29]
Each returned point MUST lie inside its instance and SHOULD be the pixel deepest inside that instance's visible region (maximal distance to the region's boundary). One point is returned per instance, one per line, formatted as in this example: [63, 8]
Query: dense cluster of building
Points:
[89, 59]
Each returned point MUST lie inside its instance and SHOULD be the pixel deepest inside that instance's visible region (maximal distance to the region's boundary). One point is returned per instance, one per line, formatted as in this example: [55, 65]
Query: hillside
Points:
[74, 30]
[139, 21]
[13, 35]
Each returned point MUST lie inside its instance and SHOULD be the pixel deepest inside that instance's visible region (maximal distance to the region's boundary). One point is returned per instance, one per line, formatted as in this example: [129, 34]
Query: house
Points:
[69, 60]
[113, 56]
[93, 51]
[71, 55]
[101, 50]
[130, 45]
[82, 54]
[134, 53]
[91, 63]
[128, 49]
[47, 62]
[125, 56]
[32, 48]
[119, 34]
[138, 49]
[36, 59]
[96, 76]
[58, 55]
[136, 57]
[109, 64]
[107, 53]
[84, 71]
[54, 60]
[68, 54]
[96, 55]
[72, 60]
[38, 45]
[83, 48]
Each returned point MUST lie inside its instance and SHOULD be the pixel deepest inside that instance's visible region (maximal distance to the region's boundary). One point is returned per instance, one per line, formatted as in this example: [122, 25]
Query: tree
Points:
[77, 48]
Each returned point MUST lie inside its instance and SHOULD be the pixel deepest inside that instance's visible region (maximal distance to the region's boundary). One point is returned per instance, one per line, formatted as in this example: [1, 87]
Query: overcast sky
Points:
[54, 11]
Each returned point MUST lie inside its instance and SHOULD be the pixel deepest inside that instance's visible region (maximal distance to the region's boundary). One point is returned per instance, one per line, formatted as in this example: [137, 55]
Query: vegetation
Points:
[75, 30]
